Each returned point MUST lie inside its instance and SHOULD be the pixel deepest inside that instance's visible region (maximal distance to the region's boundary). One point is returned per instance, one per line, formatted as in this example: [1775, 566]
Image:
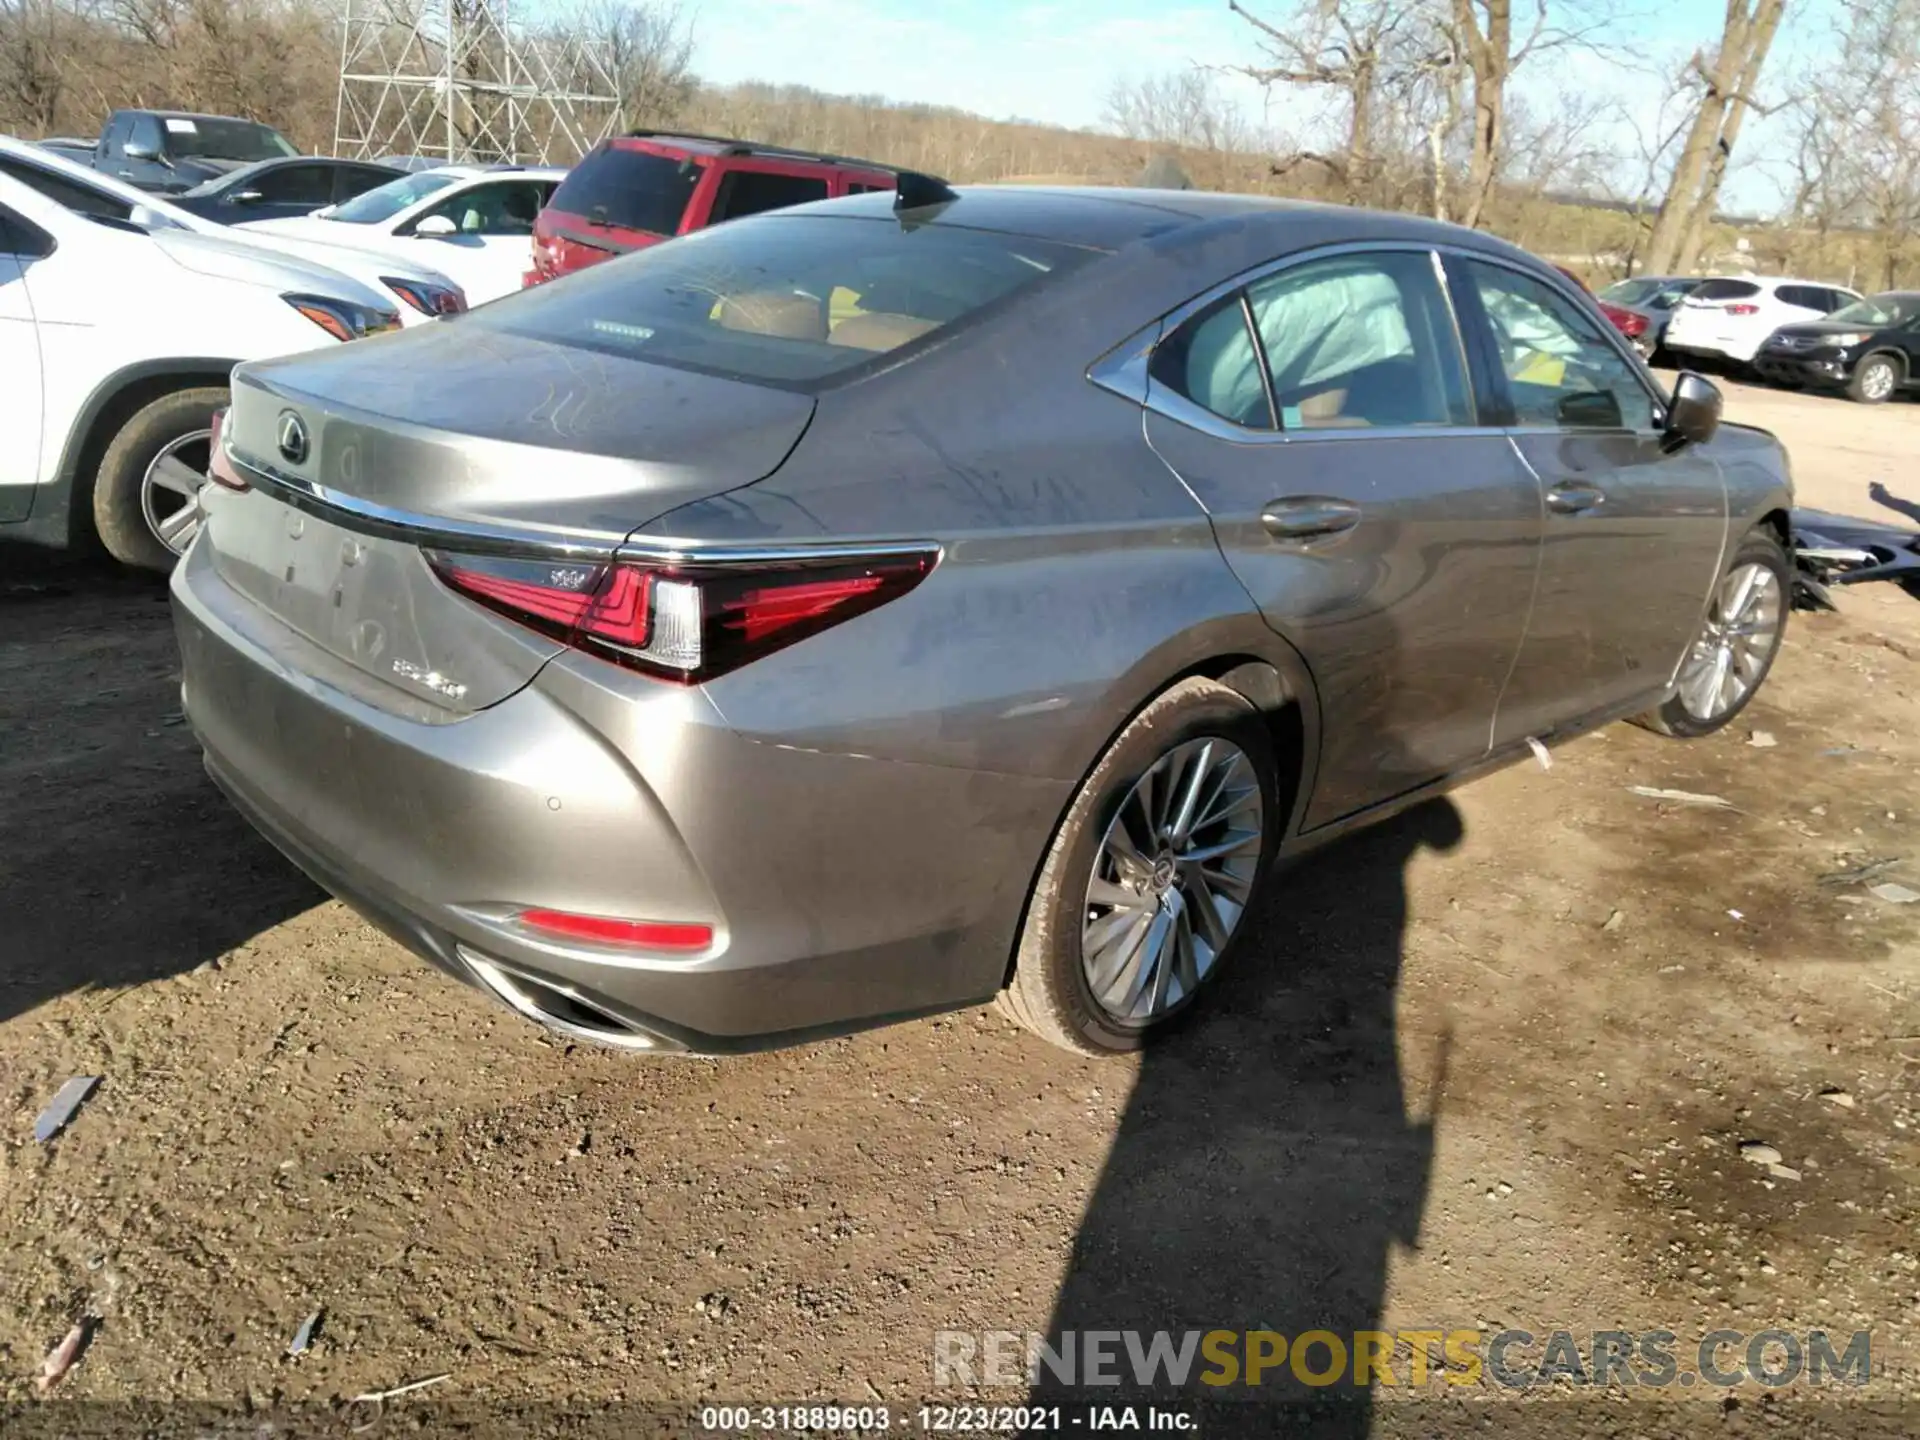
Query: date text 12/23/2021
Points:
[852, 1420]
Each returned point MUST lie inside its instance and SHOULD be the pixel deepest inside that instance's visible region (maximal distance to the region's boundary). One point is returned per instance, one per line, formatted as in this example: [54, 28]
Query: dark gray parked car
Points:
[851, 613]
[1653, 297]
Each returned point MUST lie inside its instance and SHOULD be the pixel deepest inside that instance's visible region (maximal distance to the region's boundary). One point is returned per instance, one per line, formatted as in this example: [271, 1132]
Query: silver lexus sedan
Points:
[895, 603]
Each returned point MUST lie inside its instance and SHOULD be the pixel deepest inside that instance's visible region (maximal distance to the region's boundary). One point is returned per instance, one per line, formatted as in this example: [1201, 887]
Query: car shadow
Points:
[119, 861]
[1268, 1162]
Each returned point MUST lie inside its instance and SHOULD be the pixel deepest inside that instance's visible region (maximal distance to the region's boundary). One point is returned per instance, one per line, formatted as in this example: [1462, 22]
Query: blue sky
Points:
[1056, 60]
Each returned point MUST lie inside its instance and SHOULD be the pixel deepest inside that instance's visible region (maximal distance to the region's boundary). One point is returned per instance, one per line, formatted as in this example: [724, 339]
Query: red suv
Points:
[640, 189]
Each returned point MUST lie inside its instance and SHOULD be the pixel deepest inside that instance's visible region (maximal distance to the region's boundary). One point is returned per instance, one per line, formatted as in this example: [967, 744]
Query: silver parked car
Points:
[883, 605]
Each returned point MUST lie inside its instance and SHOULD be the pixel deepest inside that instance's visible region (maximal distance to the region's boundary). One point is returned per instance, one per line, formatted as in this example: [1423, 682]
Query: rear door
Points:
[1323, 417]
[1633, 535]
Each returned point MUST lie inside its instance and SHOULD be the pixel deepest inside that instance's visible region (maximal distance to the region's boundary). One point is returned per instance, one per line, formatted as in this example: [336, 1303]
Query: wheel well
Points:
[110, 409]
[1781, 526]
[1262, 685]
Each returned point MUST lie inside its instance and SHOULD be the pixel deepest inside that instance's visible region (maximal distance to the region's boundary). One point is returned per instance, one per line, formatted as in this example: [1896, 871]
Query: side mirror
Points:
[247, 197]
[436, 227]
[1693, 414]
[139, 150]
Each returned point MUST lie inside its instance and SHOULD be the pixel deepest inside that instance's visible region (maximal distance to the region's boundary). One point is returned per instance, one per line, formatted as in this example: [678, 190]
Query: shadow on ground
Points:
[1267, 1163]
[119, 861]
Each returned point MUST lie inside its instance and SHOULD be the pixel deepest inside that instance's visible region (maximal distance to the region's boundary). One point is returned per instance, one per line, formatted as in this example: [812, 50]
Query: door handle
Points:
[1570, 497]
[1309, 517]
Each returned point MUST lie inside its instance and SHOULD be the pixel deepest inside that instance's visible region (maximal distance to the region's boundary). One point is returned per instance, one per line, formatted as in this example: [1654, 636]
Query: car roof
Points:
[1110, 218]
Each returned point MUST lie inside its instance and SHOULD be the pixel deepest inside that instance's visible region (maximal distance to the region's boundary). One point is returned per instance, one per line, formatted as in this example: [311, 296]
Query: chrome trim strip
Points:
[475, 538]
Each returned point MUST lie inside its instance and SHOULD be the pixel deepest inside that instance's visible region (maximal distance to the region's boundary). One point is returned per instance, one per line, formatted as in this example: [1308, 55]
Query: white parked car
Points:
[116, 342]
[1731, 316]
[425, 293]
[473, 222]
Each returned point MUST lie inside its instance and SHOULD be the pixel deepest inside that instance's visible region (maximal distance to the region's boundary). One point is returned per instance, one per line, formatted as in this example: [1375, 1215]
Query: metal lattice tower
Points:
[458, 79]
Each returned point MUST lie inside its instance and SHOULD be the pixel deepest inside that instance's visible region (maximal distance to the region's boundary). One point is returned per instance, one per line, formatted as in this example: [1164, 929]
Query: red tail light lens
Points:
[1743, 309]
[219, 468]
[669, 936]
[683, 622]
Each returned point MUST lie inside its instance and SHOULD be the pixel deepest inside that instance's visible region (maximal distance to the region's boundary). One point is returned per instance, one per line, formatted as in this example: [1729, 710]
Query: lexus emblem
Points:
[292, 438]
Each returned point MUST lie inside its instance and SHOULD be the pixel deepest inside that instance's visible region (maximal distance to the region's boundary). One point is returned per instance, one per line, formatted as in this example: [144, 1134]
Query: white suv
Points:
[1731, 316]
[116, 343]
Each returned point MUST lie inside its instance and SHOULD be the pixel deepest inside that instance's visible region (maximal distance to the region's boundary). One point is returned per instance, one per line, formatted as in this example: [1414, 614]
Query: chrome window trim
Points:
[1123, 370]
[471, 537]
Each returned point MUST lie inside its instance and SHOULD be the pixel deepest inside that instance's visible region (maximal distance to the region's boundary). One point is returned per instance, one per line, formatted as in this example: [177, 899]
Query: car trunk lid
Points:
[508, 445]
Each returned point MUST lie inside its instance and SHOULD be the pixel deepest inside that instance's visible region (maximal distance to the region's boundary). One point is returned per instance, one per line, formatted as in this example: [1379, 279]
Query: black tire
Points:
[1877, 390]
[118, 515]
[1049, 993]
[1761, 547]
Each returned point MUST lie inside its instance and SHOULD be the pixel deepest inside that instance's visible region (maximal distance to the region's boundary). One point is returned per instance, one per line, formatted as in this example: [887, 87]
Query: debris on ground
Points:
[65, 1355]
[1834, 1095]
[1615, 919]
[1681, 797]
[303, 1337]
[1861, 873]
[1756, 1152]
[1540, 753]
[1833, 550]
[377, 1397]
[1893, 893]
[66, 1100]
[1762, 740]
[1783, 1172]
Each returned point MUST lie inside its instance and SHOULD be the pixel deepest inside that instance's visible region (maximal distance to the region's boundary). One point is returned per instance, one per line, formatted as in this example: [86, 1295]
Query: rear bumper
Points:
[843, 891]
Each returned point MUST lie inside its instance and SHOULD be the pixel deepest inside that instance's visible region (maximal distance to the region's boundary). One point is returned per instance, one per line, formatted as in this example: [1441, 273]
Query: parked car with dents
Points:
[1729, 317]
[1870, 349]
[424, 294]
[117, 337]
[280, 189]
[1653, 298]
[474, 222]
[891, 604]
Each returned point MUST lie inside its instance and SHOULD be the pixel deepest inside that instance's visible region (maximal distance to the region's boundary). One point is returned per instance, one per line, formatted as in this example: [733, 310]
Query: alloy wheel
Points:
[170, 490]
[1172, 879]
[1743, 626]
[1877, 381]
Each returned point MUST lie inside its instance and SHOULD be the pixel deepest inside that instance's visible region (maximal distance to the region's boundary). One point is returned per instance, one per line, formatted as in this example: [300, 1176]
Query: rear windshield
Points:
[1725, 290]
[782, 298]
[629, 189]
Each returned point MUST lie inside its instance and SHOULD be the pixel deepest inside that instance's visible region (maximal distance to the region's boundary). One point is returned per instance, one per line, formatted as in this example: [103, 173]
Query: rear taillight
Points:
[219, 466]
[683, 622]
[667, 936]
[1743, 309]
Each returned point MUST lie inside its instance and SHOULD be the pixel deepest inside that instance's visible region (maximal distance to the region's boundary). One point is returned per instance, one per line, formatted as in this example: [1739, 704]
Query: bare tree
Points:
[648, 50]
[1728, 82]
[1358, 49]
[1182, 111]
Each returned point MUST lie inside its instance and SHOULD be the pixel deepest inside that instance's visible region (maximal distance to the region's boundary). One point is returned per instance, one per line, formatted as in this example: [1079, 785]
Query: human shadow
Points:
[1880, 495]
[1268, 1163]
[119, 861]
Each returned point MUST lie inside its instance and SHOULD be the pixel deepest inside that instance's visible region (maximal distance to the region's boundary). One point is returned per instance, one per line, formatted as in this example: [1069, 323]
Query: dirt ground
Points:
[1488, 1066]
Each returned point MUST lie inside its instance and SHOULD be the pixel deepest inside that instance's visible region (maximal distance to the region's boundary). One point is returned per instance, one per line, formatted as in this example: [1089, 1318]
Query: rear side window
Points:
[1213, 361]
[753, 192]
[1360, 340]
[1805, 296]
[295, 185]
[629, 189]
[784, 299]
[69, 194]
[1726, 290]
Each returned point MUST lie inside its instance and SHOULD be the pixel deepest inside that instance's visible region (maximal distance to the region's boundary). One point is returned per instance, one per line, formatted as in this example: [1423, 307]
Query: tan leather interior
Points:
[781, 313]
[880, 331]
